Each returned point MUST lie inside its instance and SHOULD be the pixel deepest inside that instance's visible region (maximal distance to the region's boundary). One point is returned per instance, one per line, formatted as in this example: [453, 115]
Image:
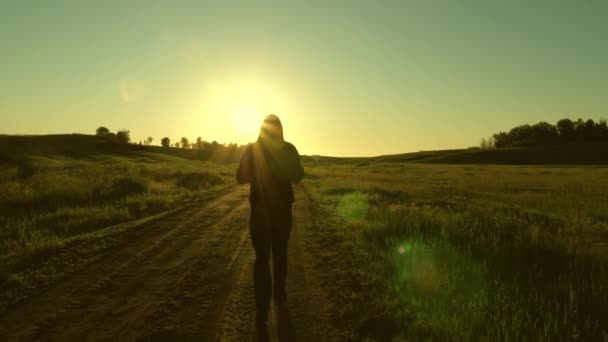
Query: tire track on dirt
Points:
[122, 284]
[193, 310]
[307, 315]
[187, 277]
[211, 323]
[239, 314]
[141, 289]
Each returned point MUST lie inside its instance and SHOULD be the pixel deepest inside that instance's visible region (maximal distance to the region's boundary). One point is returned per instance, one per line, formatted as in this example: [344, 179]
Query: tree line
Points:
[123, 136]
[543, 133]
[198, 144]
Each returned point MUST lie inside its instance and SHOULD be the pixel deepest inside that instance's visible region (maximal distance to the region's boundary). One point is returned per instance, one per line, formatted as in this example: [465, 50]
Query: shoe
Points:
[261, 331]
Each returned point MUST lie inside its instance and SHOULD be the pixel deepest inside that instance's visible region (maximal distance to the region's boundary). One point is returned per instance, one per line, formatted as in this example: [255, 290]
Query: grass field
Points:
[405, 249]
[46, 199]
[454, 252]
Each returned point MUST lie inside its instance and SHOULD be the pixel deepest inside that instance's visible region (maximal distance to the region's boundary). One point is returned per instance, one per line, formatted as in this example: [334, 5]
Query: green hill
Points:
[54, 187]
[84, 146]
[567, 154]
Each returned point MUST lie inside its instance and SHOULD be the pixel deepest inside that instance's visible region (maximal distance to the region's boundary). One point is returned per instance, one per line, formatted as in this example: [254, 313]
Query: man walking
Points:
[271, 165]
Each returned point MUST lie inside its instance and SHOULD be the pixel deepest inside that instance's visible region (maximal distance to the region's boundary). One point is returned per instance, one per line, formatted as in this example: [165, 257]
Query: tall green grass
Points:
[466, 253]
[45, 200]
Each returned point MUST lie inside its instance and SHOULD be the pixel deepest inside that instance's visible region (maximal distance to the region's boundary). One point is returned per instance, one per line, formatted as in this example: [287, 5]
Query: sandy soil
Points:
[187, 276]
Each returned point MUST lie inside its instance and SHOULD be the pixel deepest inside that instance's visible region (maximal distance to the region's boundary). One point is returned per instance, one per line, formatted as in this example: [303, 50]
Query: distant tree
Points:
[148, 141]
[589, 130]
[565, 128]
[483, 144]
[123, 136]
[601, 129]
[544, 133]
[165, 142]
[199, 143]
[579, 129]
[177, 144]
[185, 142]
[522, 135]
[102, 131]
[501, 140]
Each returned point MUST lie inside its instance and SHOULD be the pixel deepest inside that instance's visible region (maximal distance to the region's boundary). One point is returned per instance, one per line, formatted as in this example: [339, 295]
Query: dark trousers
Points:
[269, 228]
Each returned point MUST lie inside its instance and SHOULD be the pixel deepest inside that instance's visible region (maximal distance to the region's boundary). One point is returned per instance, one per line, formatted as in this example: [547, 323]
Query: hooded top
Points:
[271, 165]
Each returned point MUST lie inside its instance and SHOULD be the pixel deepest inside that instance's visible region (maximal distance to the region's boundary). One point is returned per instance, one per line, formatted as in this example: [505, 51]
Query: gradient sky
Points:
[348, 78]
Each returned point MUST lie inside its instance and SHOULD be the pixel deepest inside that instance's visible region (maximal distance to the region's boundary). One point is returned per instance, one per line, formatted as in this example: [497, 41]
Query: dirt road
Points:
[186, 276]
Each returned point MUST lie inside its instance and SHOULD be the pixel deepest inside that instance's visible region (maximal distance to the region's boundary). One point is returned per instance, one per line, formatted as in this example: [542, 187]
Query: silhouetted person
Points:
[271, 165]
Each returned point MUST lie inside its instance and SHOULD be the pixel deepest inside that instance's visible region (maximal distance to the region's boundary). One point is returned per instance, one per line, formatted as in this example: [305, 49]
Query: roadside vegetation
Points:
[462, 252]
[47, 199]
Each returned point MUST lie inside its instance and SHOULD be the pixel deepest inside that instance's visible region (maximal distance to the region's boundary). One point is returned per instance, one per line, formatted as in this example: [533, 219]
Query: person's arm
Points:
[243, 174]
[295, 171]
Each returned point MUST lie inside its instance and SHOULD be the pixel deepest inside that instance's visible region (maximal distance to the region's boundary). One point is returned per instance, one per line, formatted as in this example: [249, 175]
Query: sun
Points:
[246, 119]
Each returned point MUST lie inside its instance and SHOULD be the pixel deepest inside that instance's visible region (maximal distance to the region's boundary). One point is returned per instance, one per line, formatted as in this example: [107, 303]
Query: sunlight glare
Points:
[246, 119]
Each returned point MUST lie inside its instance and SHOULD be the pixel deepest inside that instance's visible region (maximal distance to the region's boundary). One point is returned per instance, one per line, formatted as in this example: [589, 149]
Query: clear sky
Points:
[347, 78]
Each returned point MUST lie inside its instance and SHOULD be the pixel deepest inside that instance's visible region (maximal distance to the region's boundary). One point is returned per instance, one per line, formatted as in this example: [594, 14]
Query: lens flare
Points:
[353, 206]
[439, 283]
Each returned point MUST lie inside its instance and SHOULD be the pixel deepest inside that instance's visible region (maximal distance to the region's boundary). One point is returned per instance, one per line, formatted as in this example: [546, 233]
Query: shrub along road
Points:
[186, 275]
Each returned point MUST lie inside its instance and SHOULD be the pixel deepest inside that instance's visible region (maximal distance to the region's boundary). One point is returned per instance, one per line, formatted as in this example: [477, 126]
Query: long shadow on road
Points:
[284, 327]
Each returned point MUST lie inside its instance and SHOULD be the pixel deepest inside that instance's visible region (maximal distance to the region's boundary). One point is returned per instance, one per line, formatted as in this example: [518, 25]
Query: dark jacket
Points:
[271, 167]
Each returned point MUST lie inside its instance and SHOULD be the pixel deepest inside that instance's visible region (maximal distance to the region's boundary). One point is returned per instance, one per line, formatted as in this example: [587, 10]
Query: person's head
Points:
[272, 129]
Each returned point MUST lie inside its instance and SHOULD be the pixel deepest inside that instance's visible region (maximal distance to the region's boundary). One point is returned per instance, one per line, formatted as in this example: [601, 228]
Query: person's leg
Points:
[262, 282]
[280, 240]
